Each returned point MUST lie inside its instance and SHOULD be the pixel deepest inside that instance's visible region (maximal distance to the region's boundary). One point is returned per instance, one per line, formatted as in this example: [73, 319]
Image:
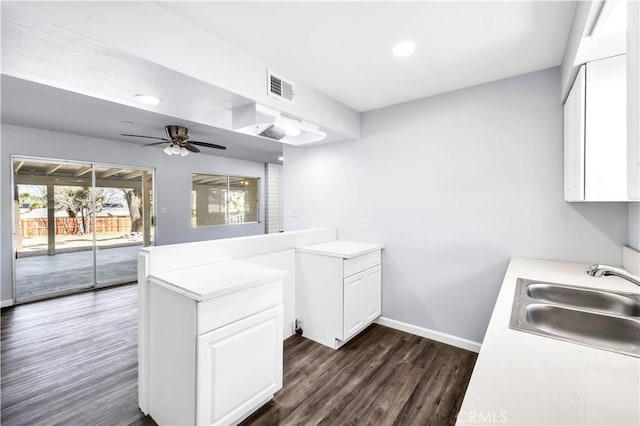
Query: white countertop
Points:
[525, 379]
[339, 248]
[216, 279]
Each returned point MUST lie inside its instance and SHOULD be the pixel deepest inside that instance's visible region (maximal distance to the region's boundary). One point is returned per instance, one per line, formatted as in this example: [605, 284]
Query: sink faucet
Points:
[604, 270]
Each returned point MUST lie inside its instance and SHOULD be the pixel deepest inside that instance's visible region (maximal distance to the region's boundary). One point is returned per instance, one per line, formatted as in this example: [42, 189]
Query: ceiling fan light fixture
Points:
[178, 140]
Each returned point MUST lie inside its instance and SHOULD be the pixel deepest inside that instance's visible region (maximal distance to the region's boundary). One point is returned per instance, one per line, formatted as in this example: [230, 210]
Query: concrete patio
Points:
[42, 275]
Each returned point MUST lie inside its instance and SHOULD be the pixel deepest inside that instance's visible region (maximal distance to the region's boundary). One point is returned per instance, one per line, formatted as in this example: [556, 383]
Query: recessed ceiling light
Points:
[405, 48]
[280, 158]
[148, 99]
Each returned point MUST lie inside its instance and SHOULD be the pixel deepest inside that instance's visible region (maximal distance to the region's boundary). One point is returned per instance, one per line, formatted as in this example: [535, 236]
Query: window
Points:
[224, 200]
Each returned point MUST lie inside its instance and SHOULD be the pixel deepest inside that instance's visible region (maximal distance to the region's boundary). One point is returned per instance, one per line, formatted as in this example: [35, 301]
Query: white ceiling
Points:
[344, 48]
[98, 82]
[29, 104]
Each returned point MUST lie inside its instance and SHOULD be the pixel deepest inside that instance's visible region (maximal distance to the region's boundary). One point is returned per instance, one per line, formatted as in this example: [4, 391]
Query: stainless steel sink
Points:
[601, 331]
[602, 319]
[597, 300]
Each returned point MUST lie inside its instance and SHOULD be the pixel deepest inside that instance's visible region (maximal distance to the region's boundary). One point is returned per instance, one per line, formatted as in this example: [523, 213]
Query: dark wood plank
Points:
[382, 377]
[72, 360]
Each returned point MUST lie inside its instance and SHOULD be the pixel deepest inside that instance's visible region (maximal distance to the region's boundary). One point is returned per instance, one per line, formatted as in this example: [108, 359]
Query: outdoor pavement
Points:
[41, 275]
[37, 246]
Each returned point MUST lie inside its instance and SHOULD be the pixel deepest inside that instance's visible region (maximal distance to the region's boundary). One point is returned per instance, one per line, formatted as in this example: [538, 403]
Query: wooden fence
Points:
[37, 227]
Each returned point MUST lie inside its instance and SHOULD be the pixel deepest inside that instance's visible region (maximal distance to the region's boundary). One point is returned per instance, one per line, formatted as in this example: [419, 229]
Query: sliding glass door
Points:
[77, 225]
[123, 222]
[53, 251]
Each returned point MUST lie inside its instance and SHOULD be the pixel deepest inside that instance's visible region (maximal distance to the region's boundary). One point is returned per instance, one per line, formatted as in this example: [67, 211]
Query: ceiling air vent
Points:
[279, 88]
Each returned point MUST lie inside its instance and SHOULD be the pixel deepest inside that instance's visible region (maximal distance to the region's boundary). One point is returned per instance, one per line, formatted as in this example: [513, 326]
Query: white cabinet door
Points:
[373, 290]
[606, 130]
[239, 366]
[354, 296]
[595, 133]
[574, 125]
[362, 300]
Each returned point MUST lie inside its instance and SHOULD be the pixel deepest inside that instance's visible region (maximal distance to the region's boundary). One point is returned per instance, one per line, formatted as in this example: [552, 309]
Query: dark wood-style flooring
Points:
[381, 377]
[73, 361]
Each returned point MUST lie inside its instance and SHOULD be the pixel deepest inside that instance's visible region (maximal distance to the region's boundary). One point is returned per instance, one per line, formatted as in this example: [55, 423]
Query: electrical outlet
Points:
[163, 210]
[365, 223]
[295, 213]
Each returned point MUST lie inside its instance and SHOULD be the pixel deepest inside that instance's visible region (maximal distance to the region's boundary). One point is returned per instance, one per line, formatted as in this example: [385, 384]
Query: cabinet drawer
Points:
[358, 264]
[231, 307]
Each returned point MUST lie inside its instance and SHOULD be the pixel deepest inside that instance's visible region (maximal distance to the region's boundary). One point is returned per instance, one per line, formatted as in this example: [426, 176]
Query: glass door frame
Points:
[152, 214]
[47, 160]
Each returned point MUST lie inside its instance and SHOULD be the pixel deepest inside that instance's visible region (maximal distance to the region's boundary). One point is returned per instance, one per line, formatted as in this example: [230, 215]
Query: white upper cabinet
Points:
[595, 133]
[574, 118]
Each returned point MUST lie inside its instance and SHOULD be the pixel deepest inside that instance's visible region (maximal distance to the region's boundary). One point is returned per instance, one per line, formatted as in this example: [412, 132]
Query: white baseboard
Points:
[631, 260]
[430, 334]
[6, 303]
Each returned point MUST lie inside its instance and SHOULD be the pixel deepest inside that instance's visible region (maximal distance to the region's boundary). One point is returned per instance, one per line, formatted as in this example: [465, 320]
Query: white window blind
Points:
[274, 199]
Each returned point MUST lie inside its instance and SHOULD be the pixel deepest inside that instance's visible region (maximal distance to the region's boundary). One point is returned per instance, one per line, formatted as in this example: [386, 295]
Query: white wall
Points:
[454, 185]
[173, 183]
[2, 234]
[633, 119]
[634, 225]
[633, 98]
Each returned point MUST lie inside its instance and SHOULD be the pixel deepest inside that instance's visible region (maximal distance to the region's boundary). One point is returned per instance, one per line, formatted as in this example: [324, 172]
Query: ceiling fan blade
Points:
[208, 145]
[153, 143]
[191, 147]
[147, 137]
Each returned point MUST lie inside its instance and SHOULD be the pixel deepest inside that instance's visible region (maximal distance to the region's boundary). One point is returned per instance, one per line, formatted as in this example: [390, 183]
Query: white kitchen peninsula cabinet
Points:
[338, 290]
[595, 133]
[215, 342]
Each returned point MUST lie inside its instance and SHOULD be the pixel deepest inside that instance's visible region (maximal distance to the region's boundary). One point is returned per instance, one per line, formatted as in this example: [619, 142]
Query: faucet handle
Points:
[591, 270]
[605, 270]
